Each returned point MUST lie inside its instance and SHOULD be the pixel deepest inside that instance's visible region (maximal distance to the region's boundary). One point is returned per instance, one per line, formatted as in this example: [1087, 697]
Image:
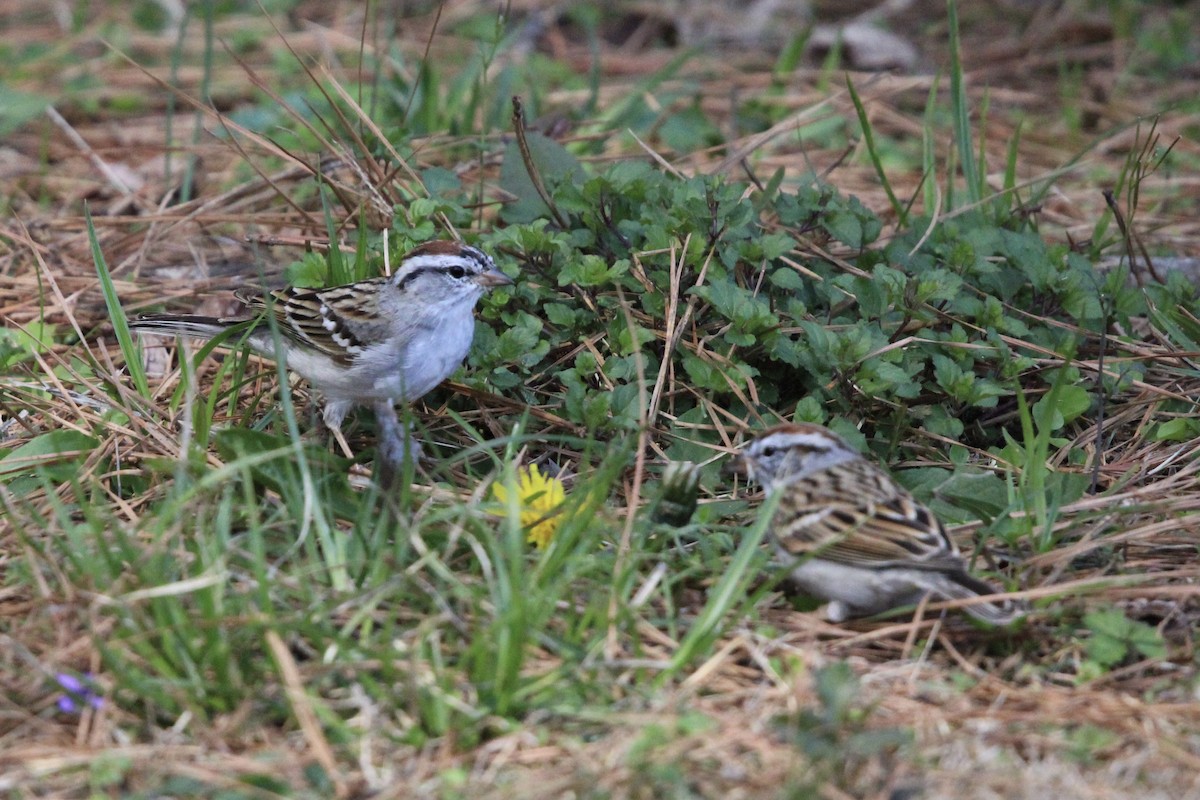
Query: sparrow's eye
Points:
[770, 450]
[457, 272]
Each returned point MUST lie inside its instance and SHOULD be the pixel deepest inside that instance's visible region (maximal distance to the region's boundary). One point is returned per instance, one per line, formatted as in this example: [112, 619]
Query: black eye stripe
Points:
[412, 276]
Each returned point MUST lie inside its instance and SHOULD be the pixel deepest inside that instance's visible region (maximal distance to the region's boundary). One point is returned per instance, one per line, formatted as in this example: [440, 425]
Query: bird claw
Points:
[837, 612]
[338, 437]
[396, 450]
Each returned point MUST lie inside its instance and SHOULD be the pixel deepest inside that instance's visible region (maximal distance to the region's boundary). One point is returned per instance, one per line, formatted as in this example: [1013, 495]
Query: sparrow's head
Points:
[788, 452]
[448, 272]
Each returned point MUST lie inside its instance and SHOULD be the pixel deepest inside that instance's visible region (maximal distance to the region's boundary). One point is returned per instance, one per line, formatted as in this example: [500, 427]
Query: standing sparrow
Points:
[851, 534]
[376, 342]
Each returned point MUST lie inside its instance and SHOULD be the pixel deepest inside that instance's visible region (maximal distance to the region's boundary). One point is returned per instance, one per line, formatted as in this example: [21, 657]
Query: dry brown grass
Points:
[984, 727]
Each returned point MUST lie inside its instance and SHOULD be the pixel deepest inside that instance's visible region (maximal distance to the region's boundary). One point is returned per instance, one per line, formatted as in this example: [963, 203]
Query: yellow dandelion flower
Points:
[539, 497]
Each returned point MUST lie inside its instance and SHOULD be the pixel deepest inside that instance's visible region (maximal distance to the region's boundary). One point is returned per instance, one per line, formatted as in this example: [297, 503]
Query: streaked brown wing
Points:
[332, 321]
[855, 514]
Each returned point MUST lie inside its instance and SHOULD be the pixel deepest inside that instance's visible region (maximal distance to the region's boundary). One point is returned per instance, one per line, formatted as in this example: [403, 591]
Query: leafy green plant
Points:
[1039, 491]
[654, 755]
[808, 329]
[21, 344]
[1116, 638]
[836, 734]
[1087, 744]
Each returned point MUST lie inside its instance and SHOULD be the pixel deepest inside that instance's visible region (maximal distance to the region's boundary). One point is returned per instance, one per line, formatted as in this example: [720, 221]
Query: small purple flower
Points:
[77, 693]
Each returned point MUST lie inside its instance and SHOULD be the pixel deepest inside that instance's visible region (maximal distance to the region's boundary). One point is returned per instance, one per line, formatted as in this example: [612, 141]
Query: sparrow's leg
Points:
[396, 443]
[333, 415]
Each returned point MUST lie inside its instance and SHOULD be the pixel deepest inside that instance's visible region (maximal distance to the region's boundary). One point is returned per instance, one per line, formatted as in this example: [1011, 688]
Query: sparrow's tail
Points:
[194, 327]
[959, 585]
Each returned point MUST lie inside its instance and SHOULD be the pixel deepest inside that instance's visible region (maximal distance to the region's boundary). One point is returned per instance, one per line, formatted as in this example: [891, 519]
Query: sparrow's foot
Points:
[837, 612]
[333, 414]
[338, 437]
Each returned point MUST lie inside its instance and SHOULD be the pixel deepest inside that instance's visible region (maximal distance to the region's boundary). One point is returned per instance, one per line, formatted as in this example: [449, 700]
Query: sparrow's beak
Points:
[492, 278]
[738, 465]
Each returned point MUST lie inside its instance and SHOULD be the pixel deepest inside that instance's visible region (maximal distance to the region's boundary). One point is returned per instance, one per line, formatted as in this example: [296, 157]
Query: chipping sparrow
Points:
[855, 536]
[377, 341]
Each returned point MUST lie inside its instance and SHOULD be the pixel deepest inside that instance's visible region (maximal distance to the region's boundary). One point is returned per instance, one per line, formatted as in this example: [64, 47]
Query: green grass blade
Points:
[929, 150]
[116, 314]
[339, 272]
[961, 111]
[869, 138]
[1010, 160]
[728, 594]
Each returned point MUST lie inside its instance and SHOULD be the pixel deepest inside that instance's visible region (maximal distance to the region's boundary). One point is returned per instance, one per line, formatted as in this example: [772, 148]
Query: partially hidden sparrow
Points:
[852, 535]
[374, 342]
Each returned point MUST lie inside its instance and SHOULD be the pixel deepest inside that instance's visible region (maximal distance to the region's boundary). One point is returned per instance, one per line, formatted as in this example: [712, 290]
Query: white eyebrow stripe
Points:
[808, 441]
